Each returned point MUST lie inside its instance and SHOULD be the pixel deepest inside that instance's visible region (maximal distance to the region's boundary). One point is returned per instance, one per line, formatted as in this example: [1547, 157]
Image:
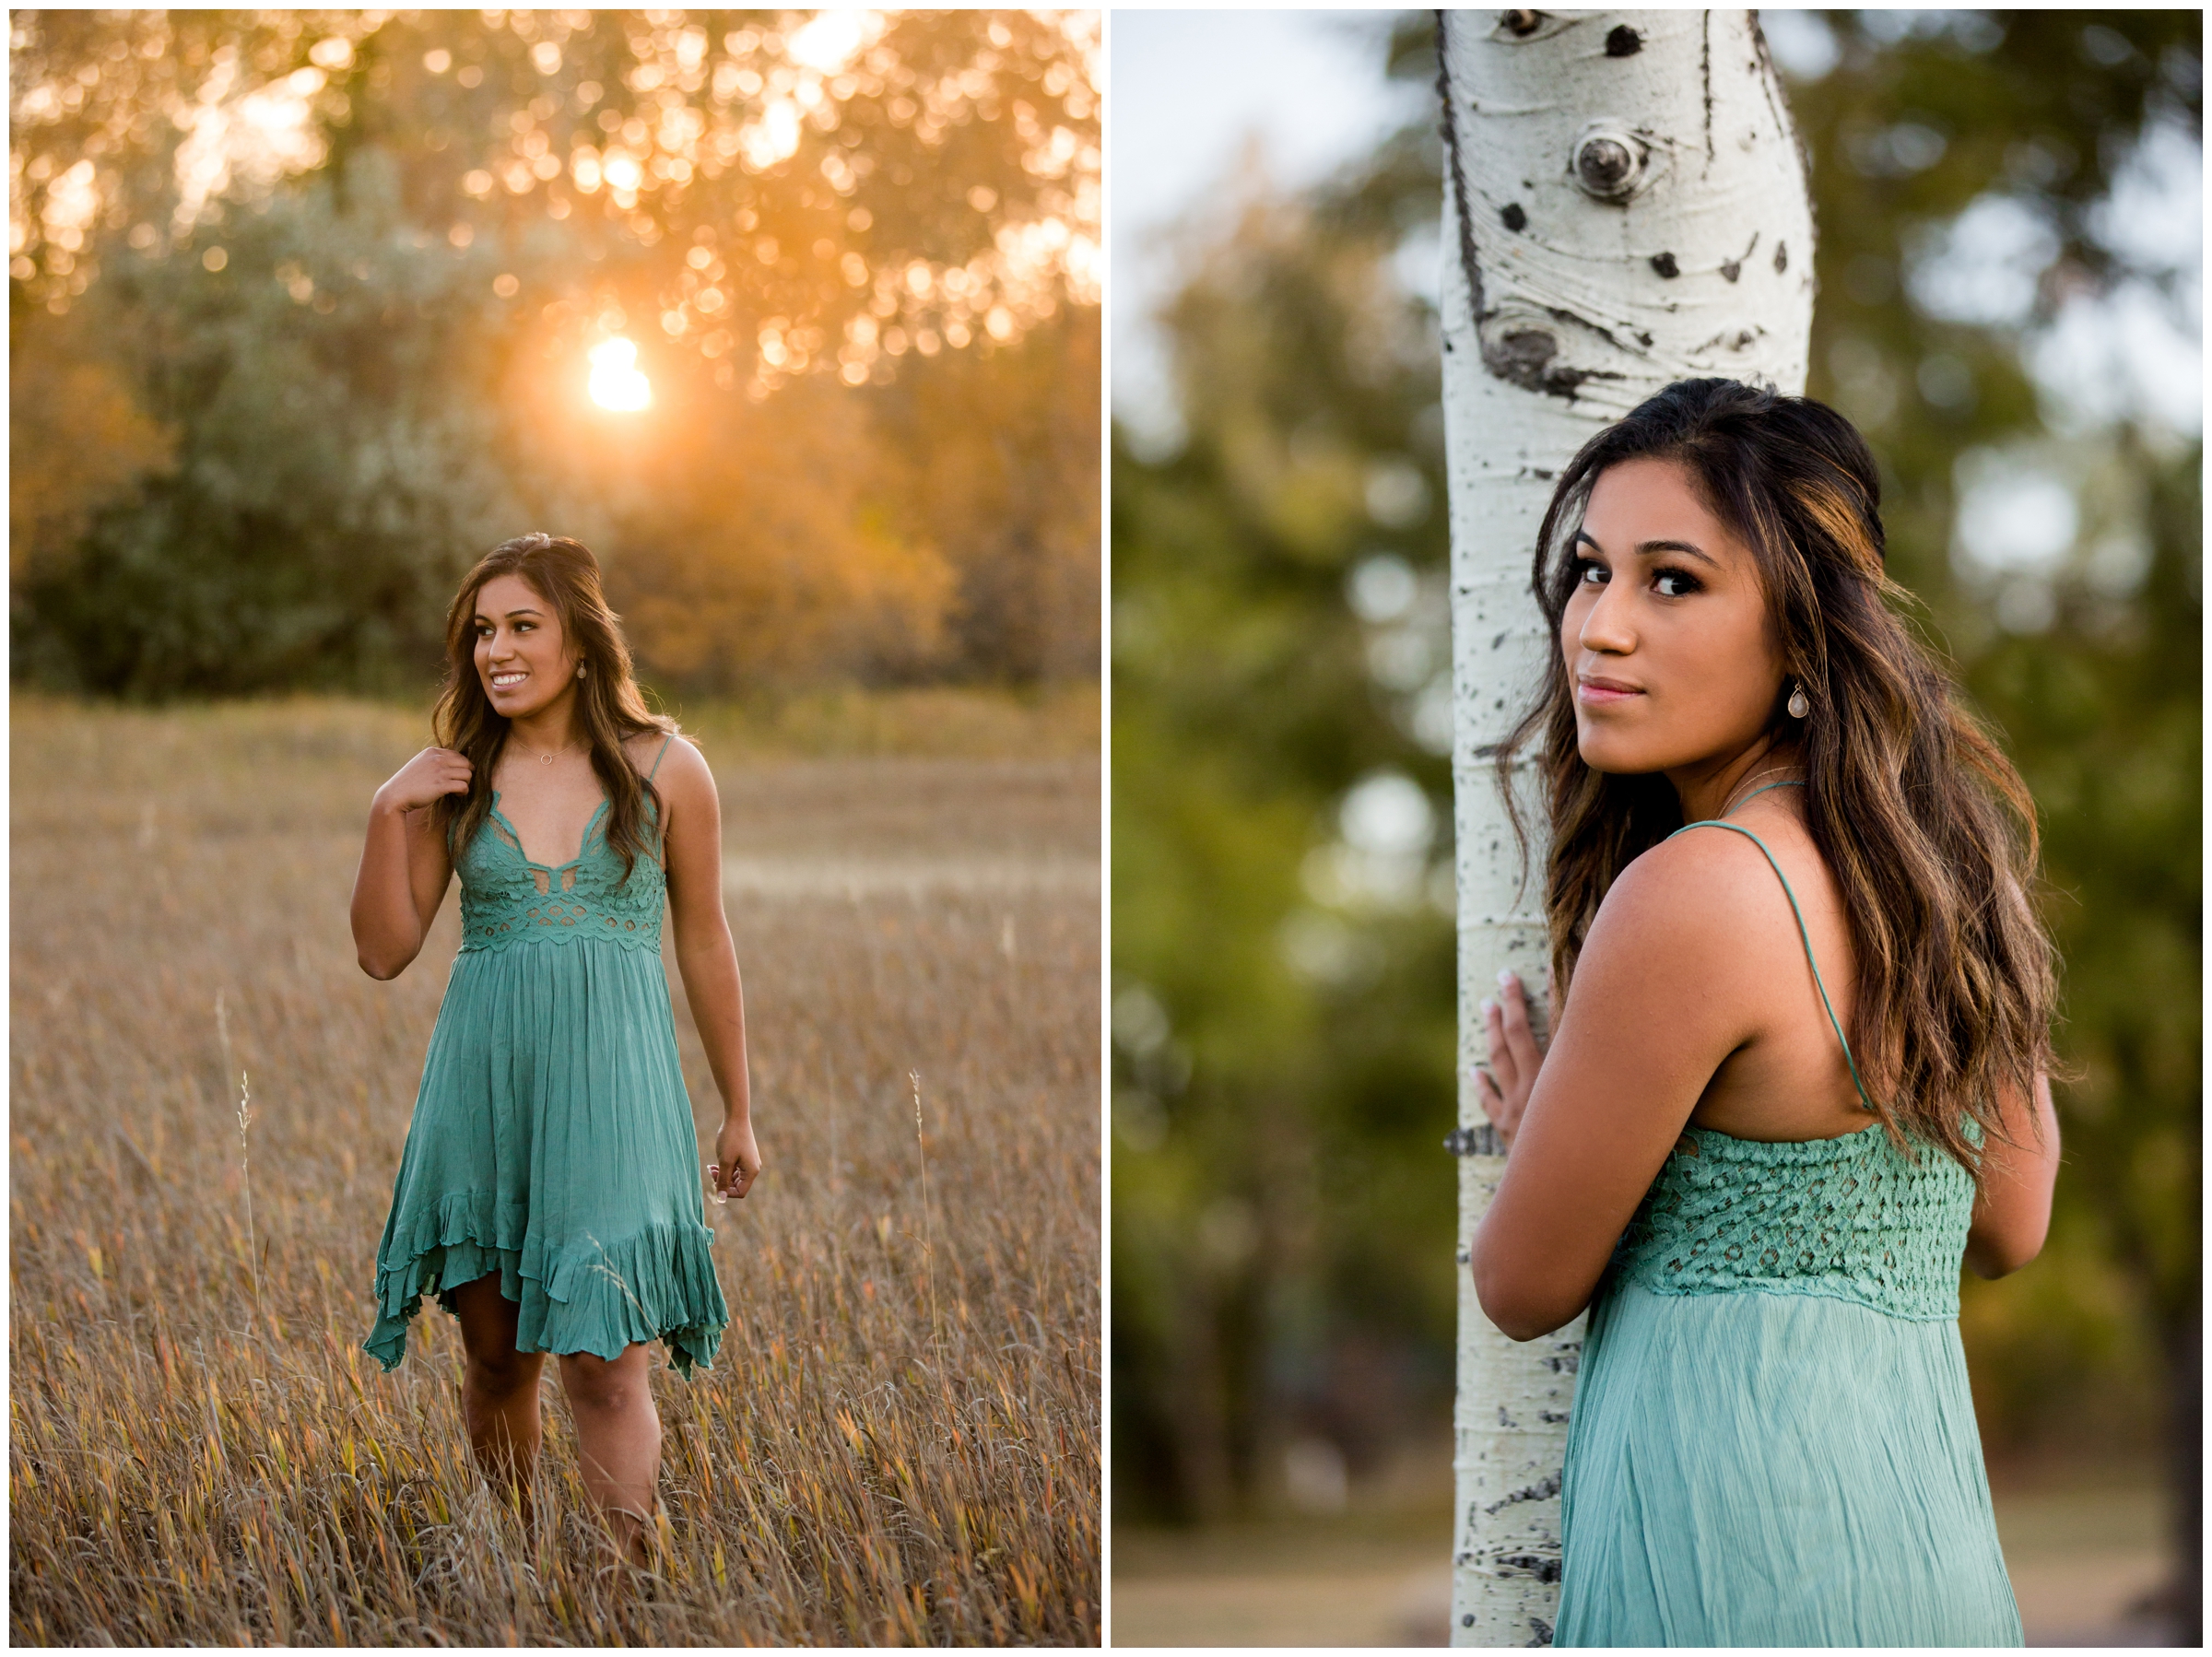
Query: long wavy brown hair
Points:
[609, 706]
[1926, 825]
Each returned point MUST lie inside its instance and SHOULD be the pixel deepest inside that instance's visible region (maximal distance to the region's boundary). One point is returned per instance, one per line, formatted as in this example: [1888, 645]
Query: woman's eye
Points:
[1675, 584]
[1589, 573]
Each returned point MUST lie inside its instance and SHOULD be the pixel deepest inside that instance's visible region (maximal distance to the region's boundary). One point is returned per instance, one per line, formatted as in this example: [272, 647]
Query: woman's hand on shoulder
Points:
[424, 779]
[405, 870]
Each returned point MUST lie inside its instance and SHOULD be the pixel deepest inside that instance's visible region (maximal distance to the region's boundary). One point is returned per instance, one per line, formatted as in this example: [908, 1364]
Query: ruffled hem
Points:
[592, 1295]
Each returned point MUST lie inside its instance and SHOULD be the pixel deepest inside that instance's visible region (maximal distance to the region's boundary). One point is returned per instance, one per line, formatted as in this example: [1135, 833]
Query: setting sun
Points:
[616, 381]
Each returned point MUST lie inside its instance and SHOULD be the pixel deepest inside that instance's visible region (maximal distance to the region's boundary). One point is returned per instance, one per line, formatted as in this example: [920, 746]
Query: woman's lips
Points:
[1601, 692]
[507, 681]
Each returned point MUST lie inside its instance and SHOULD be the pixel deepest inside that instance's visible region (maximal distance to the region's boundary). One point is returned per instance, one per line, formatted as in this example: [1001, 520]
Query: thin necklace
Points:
[549, 755]
[1753, 778]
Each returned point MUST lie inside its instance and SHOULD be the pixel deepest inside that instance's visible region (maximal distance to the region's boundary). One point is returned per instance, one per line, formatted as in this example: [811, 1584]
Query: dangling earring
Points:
[579, 675]
[1799, 707]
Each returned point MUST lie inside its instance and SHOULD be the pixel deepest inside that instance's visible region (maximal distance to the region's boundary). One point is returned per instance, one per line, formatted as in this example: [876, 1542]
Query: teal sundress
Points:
[552, 1139]
[1772, 1440]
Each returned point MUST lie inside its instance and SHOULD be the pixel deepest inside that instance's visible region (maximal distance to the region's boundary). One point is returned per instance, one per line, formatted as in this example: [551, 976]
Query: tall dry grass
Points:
[199, 1450]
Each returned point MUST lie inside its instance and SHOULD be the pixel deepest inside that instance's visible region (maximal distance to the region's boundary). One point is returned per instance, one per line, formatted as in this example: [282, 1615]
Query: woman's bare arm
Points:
[706, 958]
[2013, 1213]
[405, 869]
[1656, 1007]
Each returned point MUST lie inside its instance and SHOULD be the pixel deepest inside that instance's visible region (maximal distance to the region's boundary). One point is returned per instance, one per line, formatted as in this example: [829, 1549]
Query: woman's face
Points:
[1666, 636]
[523, 661]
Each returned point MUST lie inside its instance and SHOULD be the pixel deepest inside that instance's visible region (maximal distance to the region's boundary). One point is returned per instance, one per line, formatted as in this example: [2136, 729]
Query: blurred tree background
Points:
[2007, 207]
[304, 307]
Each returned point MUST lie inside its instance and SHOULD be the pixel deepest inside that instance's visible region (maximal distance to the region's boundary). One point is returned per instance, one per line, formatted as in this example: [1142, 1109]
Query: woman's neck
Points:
[550, 728]
[1712, 788]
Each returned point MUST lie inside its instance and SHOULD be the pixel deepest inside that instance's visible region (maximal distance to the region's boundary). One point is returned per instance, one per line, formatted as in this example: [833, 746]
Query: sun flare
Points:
[616, 381]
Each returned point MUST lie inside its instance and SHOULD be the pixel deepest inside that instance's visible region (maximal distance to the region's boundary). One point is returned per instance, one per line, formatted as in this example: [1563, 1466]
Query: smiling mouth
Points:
[507, 681]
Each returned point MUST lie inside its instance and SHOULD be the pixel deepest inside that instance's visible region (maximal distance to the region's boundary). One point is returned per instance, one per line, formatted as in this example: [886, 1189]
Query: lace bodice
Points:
[1852, 1218]
[507, 900]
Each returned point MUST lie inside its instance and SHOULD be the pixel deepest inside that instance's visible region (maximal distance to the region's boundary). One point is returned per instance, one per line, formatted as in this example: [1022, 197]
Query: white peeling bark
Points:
[1624, 207]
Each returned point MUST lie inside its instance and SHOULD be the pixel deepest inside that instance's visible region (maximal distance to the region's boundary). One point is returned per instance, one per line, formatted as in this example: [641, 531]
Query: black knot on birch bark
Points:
[1664, 265]
[1521, 22]
[1608, 164]
[1523, 357]
[1515, 219]
[1781, 257]
[1623, 42]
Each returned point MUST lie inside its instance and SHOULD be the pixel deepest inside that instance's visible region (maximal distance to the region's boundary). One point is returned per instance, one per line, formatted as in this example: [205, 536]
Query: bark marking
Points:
[1733, 268]
[1529, 1565]
[1468, 265]
[1607, 164]
[1705, 69]
[1514, 217]
[1664, 265]
[1542, 1490]
[1763, 66]
[1523, 359]
[1623, 42]
[1563, 314]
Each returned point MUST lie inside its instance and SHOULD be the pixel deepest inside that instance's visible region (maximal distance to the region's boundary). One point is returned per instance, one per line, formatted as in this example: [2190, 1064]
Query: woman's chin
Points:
[511, 704]
[1614, 759]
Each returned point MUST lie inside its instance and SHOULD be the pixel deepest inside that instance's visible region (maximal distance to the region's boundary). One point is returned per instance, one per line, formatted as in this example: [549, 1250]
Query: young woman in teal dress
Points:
[1799, 1060]
[549, 1191]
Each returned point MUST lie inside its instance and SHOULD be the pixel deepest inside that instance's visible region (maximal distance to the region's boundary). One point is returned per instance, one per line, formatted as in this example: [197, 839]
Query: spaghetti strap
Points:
[1804, 936]
[659, 756]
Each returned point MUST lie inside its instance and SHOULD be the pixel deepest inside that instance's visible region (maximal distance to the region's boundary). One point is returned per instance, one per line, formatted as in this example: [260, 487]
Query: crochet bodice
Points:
[1851, 1217]
[507, 900]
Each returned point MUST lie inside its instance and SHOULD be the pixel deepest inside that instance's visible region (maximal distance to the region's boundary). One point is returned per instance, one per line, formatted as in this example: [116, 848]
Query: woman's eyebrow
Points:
[511, 615]
[1649, 548]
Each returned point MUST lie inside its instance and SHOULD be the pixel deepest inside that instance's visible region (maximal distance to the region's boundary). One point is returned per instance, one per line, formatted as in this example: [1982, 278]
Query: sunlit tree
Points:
[814, 192]
[793, 316]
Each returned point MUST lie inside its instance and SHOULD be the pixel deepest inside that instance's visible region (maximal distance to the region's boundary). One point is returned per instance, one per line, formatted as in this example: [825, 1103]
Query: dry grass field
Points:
[898, 1441]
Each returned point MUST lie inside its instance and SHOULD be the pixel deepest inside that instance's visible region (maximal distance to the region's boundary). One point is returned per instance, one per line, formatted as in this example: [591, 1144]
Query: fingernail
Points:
[1488, 1006]
[1506, 977]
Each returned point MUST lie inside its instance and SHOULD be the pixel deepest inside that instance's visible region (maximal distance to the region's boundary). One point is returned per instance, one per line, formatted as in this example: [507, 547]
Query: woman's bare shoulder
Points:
[1693, 900]
[682, 768]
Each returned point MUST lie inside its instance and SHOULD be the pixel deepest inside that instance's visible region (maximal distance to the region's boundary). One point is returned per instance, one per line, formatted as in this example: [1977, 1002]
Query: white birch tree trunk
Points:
[1624, 207]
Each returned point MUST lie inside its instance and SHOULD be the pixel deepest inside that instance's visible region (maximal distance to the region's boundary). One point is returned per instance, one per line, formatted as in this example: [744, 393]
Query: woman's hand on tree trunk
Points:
[1504, 1084]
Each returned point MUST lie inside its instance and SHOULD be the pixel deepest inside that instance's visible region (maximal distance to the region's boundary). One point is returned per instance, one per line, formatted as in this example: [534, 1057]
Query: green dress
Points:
[1773, 1439]
[552, 1139]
